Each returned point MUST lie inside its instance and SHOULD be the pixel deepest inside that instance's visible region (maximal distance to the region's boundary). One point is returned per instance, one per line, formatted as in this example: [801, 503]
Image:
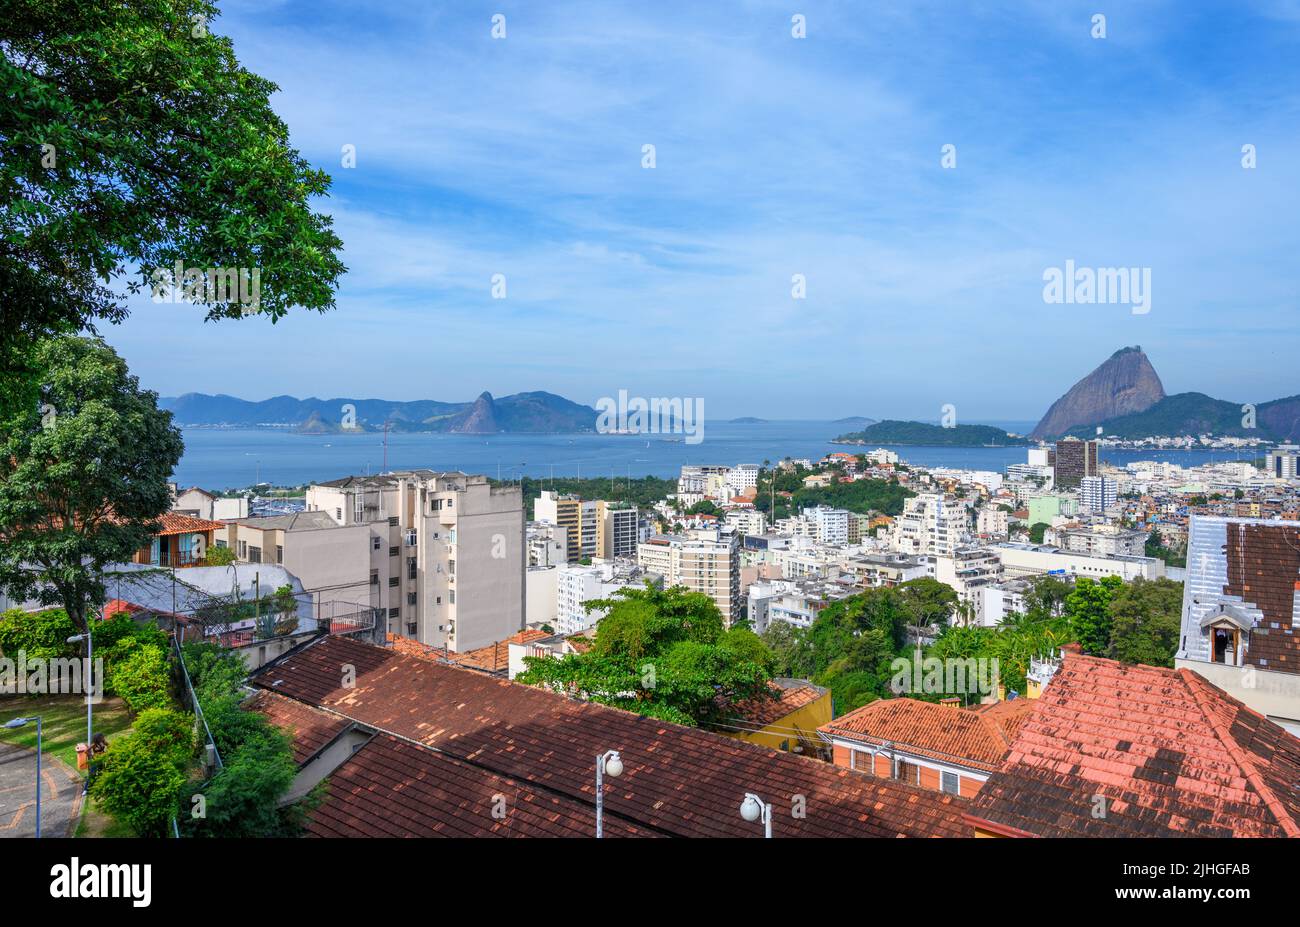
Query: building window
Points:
[410, 567]
[392, 581]
[410, 598]
[376, 543]
[243, 550]
[451, 567]
[907, 772]
[392, 551]
[394, 613]
[950, 782]
[862, 761]
[393, 521]
[451, 596]
[254, 555]
[338, 515]
[220, 543]
[374, 577]
[279, 554]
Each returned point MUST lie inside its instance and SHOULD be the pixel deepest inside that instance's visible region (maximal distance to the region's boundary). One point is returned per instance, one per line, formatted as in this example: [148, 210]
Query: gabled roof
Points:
[791, 695]
[961, 736]
[311, 729]
[392, 788]
[1171, 754]
[176, 523]
[493, 658]
[676, 780]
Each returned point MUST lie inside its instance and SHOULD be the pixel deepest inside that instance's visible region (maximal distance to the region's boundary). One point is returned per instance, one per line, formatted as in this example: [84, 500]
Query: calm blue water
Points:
[221, 458]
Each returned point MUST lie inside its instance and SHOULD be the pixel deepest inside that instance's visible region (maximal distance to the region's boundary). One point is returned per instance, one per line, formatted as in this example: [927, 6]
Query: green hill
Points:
[923, 434]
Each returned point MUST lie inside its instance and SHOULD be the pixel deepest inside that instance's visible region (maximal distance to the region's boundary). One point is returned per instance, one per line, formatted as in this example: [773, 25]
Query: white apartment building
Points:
[1025, 560]
[1102, 540]
[447, 552]
[968, 571]
[703, 560]
[1098, 493]
[746, 521]
[930, 525]
[547, 544]
[998, 600]
[743, 479]
[992, 521]
[576, 585]
[1283, 462]
[832, 525]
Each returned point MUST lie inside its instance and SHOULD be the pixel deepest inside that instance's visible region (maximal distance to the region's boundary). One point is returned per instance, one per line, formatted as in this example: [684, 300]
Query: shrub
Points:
[141, 776]
[41, 635]
[140, 675]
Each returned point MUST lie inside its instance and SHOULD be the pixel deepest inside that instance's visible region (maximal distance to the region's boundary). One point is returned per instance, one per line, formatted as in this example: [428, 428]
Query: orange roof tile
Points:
[176, 523]
[1167, 753]
[961, 736]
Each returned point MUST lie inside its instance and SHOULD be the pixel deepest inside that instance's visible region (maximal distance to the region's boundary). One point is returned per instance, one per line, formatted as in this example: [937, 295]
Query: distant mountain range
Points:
[921, 433]
[1125, 399]
[537, 413]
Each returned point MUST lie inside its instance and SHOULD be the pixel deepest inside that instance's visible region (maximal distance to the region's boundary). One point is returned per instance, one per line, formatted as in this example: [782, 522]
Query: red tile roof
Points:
[965, 737]
[1171, 754]
[677, 780]
[494, 658]
[789, 699]
[176, 523]
[1263, 562]
[391, 788]
[311, 728]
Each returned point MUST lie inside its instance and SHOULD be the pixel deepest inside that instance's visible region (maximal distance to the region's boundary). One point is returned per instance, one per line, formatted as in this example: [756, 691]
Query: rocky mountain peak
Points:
[1126, 383]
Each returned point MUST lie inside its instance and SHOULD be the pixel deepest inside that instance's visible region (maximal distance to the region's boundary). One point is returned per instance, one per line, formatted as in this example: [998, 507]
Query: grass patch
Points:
[63, 722]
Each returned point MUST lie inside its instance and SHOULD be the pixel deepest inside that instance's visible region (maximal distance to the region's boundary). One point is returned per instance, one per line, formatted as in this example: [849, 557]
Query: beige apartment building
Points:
[331, 560]
[446, 552]
[704, 560]
[593, 527]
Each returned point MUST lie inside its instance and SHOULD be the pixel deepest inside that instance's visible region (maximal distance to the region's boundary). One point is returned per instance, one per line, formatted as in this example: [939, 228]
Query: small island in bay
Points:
[923, 434]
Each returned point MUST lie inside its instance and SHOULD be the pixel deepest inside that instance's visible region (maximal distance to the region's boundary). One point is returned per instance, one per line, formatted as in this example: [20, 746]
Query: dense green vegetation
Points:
[921, 433]
[852, 645]
[863, 496]
[662, 653]
[84, 475]
[1172, 556]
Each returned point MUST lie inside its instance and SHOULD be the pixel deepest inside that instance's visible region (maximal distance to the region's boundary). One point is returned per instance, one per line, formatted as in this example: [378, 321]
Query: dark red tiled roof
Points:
[1263, 563]
[391, 788]
[962, 736]
[311, 728]
[1162, 751]
[677, 780]
[176, 523]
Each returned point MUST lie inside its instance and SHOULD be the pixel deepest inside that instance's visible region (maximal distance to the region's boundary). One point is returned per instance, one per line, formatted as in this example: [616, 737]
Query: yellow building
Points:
[789, 722]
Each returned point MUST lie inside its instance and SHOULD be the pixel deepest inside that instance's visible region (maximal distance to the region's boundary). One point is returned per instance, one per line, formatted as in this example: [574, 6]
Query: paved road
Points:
[60, 794]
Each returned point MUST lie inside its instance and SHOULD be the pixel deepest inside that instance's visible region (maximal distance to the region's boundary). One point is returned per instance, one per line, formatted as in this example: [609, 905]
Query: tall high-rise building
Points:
[1074, 459]
[1098, 493]
[446, 550]
[928, 526]
[1281, 462]
[705, 560]
[616, 531]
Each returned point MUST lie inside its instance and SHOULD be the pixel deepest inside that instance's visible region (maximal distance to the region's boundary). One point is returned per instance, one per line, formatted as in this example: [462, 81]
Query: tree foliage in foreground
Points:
[83, 476]
[133, 139]
[662, 653]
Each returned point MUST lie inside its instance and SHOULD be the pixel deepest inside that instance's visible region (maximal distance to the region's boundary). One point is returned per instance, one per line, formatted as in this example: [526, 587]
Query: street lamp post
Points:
[21, 722]
[90, 688]
[753, 808]
[608, 762]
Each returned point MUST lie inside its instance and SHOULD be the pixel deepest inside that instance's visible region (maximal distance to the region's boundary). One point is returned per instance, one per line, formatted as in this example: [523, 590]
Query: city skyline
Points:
[775, 156]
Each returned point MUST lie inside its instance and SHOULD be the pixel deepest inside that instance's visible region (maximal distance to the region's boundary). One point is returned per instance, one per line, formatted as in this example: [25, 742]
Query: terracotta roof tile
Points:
[176, 523]
[1170, 754]
[977, 739]
[677, 780]
[311, 728]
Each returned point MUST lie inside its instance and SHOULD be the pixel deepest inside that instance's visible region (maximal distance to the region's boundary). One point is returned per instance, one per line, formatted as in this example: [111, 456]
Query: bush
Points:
[41, 635]
[141, 776]
[140, 675]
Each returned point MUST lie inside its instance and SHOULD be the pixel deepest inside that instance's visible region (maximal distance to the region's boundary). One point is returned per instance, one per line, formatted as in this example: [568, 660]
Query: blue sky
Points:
[775, 156]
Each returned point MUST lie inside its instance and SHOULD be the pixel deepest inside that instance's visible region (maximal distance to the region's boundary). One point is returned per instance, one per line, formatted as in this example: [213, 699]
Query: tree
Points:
[1088, 610]
[929, 604]
[1146, 622]
[83, 477]
[43, 635]
[133, 139]
[1036, 532]
[662, 653]
[141, 776]
[219, 556]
